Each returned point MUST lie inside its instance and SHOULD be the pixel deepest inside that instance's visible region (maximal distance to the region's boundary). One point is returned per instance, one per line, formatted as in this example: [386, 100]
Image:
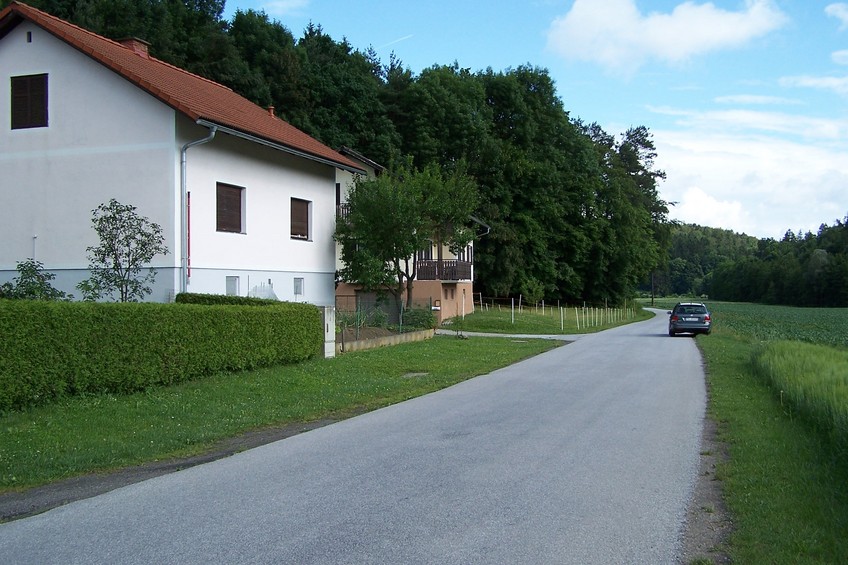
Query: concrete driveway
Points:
[585, 454]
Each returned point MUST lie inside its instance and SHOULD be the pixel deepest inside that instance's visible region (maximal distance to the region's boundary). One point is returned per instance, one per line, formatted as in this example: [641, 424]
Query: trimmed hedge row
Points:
[49, 350]
[222, 299]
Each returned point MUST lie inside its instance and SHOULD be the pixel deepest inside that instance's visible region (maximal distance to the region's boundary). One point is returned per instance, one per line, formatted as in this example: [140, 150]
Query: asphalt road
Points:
[585, 454]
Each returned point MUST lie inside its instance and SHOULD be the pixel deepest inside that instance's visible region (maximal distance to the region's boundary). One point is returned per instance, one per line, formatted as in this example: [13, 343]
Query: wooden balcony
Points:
[446, 270]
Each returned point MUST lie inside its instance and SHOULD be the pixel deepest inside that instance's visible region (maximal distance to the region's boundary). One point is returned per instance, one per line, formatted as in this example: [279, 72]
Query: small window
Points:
[298, 286]
[230, 201]
[300, 218]
[232, 286]
[29, 102]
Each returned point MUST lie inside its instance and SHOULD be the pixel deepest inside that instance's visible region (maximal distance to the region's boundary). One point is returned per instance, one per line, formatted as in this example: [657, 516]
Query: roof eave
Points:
[278, 146]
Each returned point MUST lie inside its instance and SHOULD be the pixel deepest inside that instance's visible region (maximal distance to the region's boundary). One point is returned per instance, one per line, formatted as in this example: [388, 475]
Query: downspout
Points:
[184, 206]
[480, 222]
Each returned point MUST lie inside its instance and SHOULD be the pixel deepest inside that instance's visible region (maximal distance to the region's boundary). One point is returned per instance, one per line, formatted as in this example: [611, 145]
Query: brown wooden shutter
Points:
[229, 208]
[38, 101]
[29, 101]
[299, 218]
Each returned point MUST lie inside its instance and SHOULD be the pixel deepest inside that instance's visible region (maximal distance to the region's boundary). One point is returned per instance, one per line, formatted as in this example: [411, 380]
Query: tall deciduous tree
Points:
[629, 219]
[275, 66]
[341, 90]
[535, 179]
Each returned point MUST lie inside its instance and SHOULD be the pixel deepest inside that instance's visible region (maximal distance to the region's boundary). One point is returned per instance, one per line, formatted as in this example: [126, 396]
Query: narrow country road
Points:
[585, 454]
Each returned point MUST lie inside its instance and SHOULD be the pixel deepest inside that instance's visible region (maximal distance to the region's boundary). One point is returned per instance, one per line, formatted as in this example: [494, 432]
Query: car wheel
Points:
[670, 333]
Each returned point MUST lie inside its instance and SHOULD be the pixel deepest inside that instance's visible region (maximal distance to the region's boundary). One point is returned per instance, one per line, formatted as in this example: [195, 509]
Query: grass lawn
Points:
[99, 433]
[547, 321]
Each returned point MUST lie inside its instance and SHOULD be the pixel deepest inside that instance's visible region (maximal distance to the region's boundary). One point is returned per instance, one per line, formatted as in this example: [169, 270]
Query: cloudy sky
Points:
[746, 99]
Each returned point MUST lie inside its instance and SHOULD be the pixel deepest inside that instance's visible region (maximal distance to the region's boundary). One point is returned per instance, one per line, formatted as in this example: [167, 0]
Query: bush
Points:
[419, 319]
[32, 283]
[55, 349]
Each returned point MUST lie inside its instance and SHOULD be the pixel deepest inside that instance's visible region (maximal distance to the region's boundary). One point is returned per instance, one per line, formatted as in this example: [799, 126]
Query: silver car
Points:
[689, 317]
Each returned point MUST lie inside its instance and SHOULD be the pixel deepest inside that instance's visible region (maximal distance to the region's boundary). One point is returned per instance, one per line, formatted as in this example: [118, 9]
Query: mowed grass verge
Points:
[783, 483]
[106, 432]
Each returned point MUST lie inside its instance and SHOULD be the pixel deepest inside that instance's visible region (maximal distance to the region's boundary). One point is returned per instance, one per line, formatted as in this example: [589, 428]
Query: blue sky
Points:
[746, 99]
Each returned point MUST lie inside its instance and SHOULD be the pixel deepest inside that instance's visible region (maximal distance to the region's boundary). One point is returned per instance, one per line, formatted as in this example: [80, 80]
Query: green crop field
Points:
[828, 326]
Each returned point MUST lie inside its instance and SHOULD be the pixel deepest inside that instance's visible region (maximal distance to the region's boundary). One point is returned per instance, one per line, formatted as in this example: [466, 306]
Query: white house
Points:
[246, 201]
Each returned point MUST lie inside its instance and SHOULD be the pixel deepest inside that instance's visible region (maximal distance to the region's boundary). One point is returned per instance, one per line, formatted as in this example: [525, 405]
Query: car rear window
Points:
[691, 310]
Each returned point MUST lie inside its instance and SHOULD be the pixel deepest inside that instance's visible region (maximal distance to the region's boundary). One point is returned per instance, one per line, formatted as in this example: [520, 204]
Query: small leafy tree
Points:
[128, 241]
[393, 216]
[32, 283]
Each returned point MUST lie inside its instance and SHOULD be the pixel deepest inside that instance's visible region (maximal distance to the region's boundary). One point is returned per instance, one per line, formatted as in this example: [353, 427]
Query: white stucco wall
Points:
[265, 251]
[105, 139]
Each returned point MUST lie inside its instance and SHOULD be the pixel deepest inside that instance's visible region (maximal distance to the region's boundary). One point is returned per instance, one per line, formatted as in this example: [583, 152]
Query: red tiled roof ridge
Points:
[172, 85]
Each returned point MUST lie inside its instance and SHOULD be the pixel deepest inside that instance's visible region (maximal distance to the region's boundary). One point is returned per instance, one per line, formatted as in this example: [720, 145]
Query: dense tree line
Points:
[694, 255]
[799, 270]
[574, 211]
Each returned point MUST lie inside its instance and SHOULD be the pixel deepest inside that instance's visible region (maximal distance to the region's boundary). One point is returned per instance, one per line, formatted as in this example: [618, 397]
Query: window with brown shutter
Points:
[229, 208]
[29, 101]
[299, 218]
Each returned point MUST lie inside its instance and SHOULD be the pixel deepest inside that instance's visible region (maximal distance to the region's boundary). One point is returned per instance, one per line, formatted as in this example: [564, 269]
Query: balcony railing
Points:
[446, 270]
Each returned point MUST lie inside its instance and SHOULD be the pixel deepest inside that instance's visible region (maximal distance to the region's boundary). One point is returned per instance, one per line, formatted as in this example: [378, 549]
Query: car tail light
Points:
[674, 318]
[707, 318]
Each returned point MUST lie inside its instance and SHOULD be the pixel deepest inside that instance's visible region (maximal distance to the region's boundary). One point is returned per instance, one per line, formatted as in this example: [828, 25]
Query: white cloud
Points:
[759, 185]
[698, 207]
[755, 122]
[754, 99]
[840, 57]
[616, 35]
[835, 84]
[284, 7]
[840, 12]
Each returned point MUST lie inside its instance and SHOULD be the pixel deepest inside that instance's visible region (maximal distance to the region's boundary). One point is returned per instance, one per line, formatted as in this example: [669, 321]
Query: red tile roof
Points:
[189, 94]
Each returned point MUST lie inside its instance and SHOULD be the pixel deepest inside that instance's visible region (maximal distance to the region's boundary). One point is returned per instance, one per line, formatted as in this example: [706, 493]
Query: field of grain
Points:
[827, 326]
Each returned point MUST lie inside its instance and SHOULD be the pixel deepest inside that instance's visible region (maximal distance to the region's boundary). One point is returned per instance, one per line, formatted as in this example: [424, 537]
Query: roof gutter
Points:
[280, 147]
[184, 257]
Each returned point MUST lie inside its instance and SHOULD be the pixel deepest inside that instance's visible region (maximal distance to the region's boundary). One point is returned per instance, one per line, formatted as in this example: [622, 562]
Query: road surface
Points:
[585, 454]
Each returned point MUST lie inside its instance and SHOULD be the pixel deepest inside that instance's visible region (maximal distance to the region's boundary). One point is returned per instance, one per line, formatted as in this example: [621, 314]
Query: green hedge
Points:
[49, 350]
[221, 299]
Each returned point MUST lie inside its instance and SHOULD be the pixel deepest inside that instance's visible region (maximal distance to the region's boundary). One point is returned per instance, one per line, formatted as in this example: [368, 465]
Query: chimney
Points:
[271, 111]
[136, 45]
